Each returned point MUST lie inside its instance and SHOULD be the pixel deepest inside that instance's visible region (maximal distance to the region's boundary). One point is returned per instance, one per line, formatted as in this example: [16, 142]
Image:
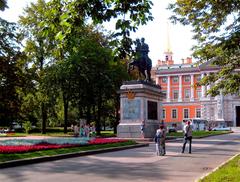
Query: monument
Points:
[142, 61]
[140, 100]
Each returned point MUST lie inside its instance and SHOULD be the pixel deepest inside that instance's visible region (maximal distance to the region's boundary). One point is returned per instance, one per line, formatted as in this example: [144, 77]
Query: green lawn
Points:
[228, 172]
[52, 152]
[53, 132]
[13, 135]
[198, 134]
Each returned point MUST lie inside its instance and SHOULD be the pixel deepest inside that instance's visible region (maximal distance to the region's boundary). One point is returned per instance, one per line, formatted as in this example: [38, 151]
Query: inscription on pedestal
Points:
[131, 108]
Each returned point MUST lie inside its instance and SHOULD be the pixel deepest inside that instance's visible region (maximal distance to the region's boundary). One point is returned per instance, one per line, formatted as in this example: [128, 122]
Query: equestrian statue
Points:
[141, 61]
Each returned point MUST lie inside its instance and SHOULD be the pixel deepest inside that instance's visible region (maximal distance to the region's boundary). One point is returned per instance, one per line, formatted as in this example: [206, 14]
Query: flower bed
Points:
[21, 145]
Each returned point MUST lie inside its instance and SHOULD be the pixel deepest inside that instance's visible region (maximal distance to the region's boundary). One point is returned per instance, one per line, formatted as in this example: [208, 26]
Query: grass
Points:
[14, 135]
[198, 134]
[228, 172]
[53, 132]
[52, 152]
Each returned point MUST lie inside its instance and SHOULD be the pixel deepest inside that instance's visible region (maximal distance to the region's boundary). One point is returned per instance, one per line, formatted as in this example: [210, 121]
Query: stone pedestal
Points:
[139, 101]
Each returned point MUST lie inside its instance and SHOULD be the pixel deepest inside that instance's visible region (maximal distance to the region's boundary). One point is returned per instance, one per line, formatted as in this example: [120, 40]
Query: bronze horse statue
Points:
[144, 68]
[142, 61]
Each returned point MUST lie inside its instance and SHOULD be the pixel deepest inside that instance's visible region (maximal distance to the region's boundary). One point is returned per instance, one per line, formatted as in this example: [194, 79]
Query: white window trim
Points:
[186, 94]
[198, 78]
[175, 81]
[189, 78]
[164, 78]
[184, 114]
[197, 109]
[164, 110]
[176, 113]
[199, 96]
[177, 91]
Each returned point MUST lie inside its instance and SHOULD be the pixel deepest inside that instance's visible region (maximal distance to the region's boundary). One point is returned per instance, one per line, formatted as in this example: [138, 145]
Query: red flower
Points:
[44, 146]
[105, 141]
[30, 148]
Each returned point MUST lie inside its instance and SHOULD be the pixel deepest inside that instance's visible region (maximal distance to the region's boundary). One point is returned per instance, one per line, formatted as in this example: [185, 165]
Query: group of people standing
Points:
[85, 130]
[160, 138]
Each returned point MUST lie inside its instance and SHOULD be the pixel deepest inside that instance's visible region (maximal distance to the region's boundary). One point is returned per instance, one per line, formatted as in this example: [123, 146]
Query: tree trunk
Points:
[65, 102]
[88, 117]
[117, 115]
[44, 118]
[99, 104]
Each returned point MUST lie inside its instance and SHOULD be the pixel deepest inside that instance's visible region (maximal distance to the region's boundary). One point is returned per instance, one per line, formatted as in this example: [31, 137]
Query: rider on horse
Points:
[142, 61]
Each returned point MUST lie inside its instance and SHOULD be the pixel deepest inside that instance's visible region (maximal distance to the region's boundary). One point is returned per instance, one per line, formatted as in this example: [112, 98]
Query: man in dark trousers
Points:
[187, 136]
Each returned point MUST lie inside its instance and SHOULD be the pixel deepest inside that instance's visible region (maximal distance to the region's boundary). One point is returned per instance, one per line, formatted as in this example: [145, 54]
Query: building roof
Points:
[185, 68]
[177, 68]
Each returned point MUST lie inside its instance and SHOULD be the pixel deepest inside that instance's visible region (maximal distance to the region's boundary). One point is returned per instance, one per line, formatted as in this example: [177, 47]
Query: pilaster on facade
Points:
[168, 88]
[220, 107]
[208, 88]
[180, 89]
[192, 87]
[203, 89]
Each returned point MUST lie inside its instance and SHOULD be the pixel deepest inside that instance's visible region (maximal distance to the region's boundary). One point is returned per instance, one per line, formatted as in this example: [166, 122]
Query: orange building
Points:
[184, 100]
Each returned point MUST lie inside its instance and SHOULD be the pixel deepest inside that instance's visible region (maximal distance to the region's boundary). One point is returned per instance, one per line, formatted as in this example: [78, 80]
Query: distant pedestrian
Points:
[87, 130]
[75, 130]
[187, 136]
[163, 140]
[160, 141]
[81, 131]
[142, 127]
[93, 130]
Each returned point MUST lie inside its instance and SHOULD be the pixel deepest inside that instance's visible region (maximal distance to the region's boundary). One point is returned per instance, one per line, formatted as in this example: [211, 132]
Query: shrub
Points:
[27, 125]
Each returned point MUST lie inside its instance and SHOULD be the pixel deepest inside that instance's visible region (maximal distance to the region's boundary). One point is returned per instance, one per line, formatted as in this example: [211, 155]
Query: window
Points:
[174, 113]
[187, 93]
[164, 79]
[175, 79]
[163, 113]
[198, 113]
[175, 94]
[199, 93]
[164, 92]
[185, 113]
[198, 78]
[187, 78]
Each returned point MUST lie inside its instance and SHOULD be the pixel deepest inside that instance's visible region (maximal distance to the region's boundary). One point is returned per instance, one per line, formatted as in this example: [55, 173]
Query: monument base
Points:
[133, 130]
[139, 103]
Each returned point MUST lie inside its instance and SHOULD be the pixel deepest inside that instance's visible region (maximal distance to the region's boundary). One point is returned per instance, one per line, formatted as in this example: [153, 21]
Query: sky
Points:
[155, 32]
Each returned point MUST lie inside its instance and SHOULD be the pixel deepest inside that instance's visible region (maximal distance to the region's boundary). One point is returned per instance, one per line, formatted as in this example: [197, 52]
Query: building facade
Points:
[184, 100]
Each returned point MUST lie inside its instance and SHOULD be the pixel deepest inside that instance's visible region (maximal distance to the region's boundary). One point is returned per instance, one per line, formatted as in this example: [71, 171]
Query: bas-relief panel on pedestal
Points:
[131, 109]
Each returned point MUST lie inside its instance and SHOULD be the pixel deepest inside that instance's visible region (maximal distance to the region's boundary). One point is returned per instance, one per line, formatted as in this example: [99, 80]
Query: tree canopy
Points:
[69, 68]
[11, 75]
[72, 68]
[216, 27]
[3, 5]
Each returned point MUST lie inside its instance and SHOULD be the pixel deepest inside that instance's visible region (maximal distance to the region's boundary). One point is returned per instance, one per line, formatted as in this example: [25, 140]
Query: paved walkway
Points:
[135, 165]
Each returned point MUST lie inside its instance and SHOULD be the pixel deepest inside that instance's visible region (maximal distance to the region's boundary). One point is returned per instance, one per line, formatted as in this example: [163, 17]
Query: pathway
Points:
[133, 165]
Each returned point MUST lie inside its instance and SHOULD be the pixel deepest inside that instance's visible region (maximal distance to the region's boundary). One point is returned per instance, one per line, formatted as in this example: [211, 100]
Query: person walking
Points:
[187, 136]
[142, 127]
[160, 141]
[163, 139]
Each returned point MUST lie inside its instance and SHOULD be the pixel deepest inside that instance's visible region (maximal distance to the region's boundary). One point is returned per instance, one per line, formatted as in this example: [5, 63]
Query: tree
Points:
[129, 14]
[216, 27]
[11, 75]
[36, 49]
[57, 34]
[3, 5]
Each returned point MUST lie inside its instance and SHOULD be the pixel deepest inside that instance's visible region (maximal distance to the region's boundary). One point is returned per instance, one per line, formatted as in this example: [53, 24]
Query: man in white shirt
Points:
[187, 136]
